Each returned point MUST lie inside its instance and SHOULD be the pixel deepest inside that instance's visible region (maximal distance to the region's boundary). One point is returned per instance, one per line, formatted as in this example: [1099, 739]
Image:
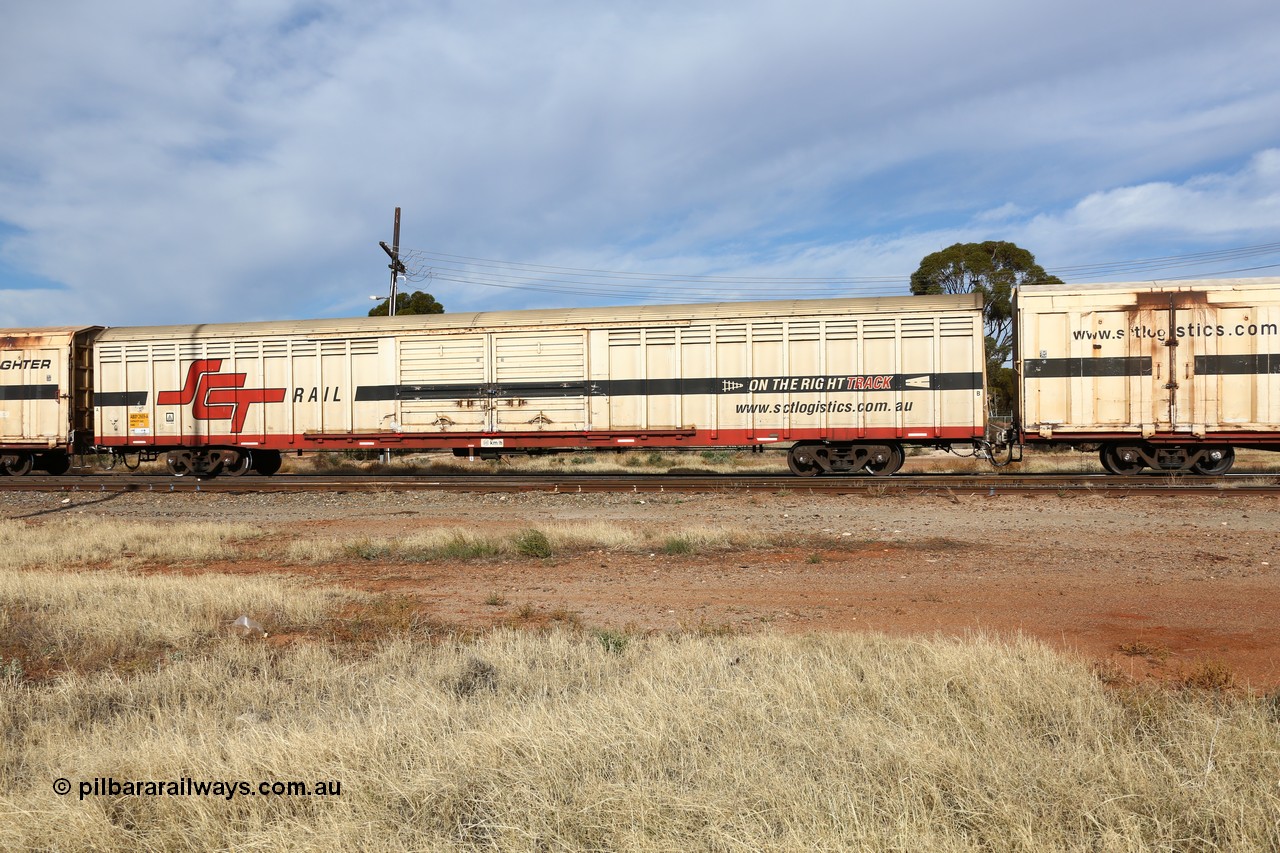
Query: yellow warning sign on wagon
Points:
[139, 423]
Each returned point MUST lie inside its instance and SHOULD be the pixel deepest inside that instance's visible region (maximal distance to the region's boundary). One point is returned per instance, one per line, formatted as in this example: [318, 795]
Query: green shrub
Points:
[462, 547]
[614, 642]
[678, 545]
[533, 543]
[368, 549]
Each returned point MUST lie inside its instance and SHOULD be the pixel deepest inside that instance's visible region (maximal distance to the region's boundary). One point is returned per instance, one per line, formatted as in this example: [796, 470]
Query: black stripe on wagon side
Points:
[120, 398]
[737, 385]
[952, 381]
[1218, 365]
[366, 393]
[795, 384]
[28, 392]
[1076, 368]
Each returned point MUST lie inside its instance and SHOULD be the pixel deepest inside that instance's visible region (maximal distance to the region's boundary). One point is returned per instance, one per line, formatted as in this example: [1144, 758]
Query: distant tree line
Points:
[409, 303]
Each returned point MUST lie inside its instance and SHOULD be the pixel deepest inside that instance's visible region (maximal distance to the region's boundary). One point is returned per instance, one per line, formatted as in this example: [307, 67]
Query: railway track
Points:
[913, 484]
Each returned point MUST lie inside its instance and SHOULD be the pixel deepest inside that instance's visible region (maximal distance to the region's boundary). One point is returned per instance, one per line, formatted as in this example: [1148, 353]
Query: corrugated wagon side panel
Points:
[276, 371]
[734, 365]
[820, 376]
[662, 371]
[804, 357]
[441, 377]
[697, 359]
[960, 349]
[626, 362]
[539, 381]
[881, 354]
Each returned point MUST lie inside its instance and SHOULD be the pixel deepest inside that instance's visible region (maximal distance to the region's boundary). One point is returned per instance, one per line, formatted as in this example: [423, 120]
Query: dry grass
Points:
[94, 541]
[569, 740]
[55, 622]
[453, 543]
[584, 740]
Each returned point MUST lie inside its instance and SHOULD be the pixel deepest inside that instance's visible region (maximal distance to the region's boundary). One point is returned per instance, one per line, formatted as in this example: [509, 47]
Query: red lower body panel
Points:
[692, 438]
[1237, 439]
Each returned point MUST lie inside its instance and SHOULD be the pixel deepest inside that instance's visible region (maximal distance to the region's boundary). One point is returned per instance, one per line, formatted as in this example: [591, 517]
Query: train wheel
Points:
[242, 465]
[180, 463]
[1219, 461]
[266, 462]
[803, 461]
[884, 464]
[18, 465]
[1121, 460]
[55, 464]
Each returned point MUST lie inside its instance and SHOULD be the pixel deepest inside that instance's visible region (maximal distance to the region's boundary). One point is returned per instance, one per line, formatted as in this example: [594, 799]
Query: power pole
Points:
[397, 268]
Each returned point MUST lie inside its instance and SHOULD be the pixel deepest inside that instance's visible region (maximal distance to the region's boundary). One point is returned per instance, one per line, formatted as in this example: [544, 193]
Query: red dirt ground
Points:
[1168, 588]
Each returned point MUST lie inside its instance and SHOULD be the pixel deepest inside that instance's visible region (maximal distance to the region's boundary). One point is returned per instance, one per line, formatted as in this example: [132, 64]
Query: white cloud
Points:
[1238, 208]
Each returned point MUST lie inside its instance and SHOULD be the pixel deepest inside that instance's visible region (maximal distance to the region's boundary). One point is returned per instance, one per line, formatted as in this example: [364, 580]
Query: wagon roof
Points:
[549, 317]
[23, 338]
[1208, 284]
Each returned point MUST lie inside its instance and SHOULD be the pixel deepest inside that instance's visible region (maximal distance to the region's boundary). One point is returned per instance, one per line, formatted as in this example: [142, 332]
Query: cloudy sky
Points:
[165, 161]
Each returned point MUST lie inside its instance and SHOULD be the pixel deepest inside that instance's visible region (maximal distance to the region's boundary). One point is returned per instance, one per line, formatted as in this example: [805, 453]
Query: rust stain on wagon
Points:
[50, 336]
[25, 341]
[1178, 299]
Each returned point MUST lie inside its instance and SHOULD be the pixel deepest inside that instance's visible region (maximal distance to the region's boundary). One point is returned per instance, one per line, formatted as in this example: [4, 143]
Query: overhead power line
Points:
[1167, 262]
[647, 286]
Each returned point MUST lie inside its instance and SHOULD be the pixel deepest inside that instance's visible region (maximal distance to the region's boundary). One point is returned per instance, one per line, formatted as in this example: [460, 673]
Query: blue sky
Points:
[181, 162]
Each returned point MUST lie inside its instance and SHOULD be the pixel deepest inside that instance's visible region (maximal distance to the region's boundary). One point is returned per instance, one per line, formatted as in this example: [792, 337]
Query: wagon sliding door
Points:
[442, 383]
[539, 381]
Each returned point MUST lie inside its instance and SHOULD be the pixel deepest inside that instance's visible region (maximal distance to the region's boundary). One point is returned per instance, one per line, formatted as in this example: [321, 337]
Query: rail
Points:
[914, 484]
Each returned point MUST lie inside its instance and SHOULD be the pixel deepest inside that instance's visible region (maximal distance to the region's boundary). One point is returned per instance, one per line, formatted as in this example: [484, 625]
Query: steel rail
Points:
[911, 484]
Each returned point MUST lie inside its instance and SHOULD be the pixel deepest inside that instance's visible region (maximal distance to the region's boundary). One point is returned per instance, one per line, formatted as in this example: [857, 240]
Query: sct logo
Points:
[215, 396]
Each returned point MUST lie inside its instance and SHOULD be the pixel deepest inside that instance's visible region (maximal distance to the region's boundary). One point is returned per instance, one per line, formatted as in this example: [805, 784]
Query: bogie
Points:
[1131, 458]
[811, 458]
